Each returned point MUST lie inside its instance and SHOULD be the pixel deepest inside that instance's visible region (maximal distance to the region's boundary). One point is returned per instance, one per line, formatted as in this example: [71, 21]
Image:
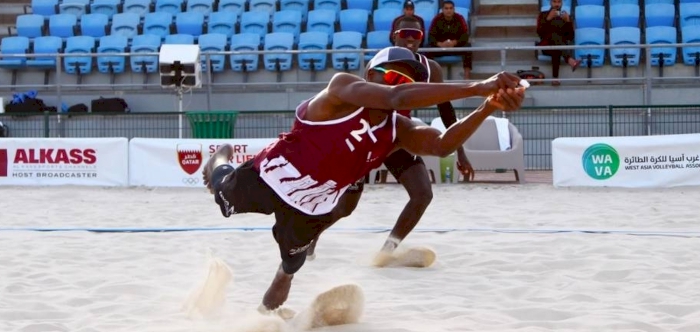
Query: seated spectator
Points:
[450, 29]
[554, 27]
[408, 10]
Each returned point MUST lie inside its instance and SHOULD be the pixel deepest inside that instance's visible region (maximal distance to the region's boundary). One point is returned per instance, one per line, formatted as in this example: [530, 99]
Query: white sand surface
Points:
[482, 281]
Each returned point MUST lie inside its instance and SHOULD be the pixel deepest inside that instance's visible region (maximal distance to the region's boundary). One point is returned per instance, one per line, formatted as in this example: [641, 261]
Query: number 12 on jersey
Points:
[357, 134]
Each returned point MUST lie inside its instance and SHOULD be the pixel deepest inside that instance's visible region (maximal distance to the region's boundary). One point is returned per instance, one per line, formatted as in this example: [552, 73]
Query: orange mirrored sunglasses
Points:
[393, 77]
[409, 33]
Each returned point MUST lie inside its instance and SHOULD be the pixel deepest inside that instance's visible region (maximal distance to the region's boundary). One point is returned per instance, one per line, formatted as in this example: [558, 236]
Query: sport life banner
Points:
[64, 161]
[179, 162]
[632, 161]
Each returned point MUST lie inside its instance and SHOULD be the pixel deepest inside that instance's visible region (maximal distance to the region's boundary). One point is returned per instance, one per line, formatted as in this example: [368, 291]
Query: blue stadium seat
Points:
[624, 15]
[590, 36]
[426, 13]
[689, 1]
[287, 21]
[138, 7]
[190, 23]
[649, 2]
[689, 13]
[367, 5]
[30, 25]
[662, 35]
[75, 7]
[468, 3]
[112, 63]
[245, 42]
[624, 2]
[322, 20]
[62, 25]
[106, 7]
[171, 6]
[76, 64]
[255, 22]
[691, 55]
[345, 40]
[213, 42]
[298, 5]
[45, 45]
[625, 36]
[44, 7]
[390, 4]
[125, 24]
[383, 17]
[589, 16]
[313, 40]
[222, 22]
[333, 5]
[463, 11]
[434, 4]
[377, 39]
[354, 20]
[659, 14]
[157, 23]
[179, 39]
[203, 6]
[269, 6]
[236, 6]
[278, 41]
[144, 44]
[94, 25]
[13, 45]
[590, 2]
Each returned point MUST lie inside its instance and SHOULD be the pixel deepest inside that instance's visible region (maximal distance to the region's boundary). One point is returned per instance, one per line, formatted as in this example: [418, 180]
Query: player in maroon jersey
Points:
[408, 169]
[339, 135]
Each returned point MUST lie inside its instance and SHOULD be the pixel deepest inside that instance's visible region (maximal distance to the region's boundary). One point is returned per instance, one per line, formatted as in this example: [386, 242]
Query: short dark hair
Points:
[408, 19]
[448, 2]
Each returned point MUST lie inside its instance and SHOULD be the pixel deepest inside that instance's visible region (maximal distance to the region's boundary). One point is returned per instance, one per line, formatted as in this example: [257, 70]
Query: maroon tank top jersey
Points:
[424, 60]
[311, 166]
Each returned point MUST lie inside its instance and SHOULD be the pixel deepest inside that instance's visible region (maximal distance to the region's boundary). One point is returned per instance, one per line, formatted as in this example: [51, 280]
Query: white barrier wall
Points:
[632, 161]
[178, 162]
[64, 161]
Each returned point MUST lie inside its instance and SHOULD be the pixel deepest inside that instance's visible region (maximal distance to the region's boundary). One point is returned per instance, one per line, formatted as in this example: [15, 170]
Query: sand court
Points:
[483, 279]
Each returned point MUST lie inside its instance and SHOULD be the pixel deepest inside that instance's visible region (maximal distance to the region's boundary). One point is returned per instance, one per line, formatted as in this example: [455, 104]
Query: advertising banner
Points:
[64, 161]
[179, 162]
[631, 161]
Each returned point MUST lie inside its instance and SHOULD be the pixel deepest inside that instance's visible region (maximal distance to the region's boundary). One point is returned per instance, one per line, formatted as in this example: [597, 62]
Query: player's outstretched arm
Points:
[347, 89]
[425, 140]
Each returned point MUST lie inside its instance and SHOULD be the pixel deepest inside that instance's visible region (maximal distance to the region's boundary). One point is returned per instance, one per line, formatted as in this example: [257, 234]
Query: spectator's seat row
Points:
[213, 42]
[628, 15]
[633, 36]
[194, 23]
[142, 7]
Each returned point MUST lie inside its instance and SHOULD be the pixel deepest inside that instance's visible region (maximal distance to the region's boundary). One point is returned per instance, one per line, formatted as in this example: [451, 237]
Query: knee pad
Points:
[217, 178]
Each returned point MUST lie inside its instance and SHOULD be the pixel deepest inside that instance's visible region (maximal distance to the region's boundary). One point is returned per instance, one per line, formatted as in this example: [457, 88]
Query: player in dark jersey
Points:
[408, 169]
[347, 129]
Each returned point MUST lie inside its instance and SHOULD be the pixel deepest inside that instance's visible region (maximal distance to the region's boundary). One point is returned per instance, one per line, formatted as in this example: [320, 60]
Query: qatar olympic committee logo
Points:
[189, 157]
[600, 161]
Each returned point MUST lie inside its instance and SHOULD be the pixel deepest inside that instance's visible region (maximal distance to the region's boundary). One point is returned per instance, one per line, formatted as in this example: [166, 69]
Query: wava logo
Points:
[601, 161]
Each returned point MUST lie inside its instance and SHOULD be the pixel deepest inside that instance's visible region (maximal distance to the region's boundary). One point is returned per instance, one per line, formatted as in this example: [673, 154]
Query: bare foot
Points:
[223, 155]
[277, 294]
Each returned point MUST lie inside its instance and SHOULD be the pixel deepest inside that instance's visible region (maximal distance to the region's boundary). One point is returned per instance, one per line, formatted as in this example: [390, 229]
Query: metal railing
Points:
[646, 79]
[538, 125]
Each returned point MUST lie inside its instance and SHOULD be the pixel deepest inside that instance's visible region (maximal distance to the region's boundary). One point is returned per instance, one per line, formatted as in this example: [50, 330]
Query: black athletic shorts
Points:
[401, 160]
[293, 230]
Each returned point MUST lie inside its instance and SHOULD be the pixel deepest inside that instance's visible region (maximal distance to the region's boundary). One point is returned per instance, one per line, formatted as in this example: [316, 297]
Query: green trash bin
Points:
[213, 124]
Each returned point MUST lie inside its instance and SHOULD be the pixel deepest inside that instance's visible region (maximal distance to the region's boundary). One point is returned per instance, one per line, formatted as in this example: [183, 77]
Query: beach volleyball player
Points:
[339, 135]
[406, 168]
